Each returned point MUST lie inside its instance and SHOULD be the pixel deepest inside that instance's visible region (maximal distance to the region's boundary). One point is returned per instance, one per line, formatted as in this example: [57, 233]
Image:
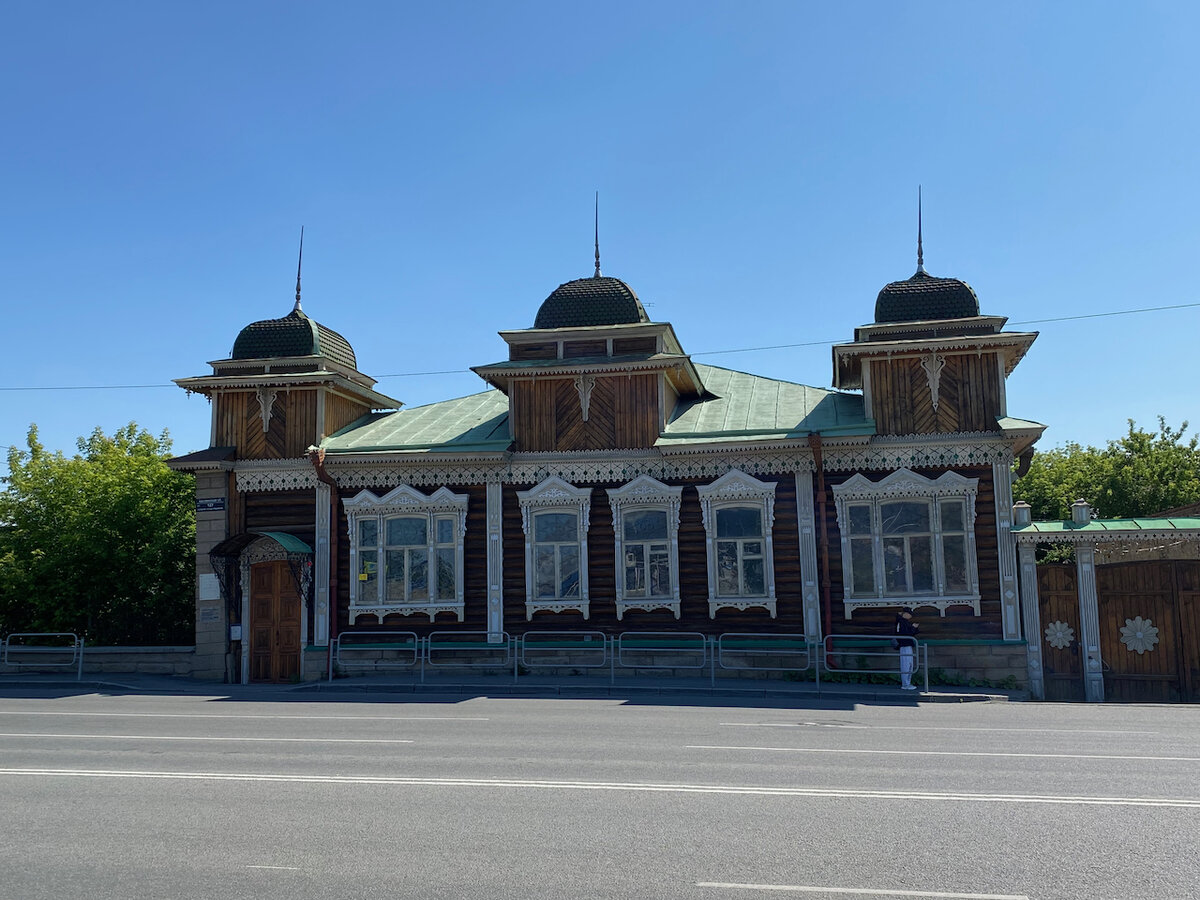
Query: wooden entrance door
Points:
[1058, 603]
[1165, 595]
[274, 623]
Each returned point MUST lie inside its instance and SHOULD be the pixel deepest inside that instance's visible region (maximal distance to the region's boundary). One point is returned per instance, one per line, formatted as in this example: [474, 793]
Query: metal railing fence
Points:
[44, 655]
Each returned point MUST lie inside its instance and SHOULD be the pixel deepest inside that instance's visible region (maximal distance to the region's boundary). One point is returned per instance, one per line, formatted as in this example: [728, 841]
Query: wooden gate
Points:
[1058, 602]
[274, 623]
[1150, 630]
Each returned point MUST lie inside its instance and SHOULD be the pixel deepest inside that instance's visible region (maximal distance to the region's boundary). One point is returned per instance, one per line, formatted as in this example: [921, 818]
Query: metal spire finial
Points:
[920, 253]
[597, 275]
[297, 308]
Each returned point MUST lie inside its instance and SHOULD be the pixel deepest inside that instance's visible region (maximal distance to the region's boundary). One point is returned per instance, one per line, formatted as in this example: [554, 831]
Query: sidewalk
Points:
[576, 686]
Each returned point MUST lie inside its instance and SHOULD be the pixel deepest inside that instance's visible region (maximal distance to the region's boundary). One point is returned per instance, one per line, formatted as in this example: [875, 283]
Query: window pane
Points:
[907, 517]
[920, 552]
[555, 527]
[952, 515]
[954, 554]
[727, 573]
[368, 532]
[445, 573]
[753, 580]
[635, 570]
[394, 577]
[862, 567]
[660, 572]
[646, 525]
[418, 580]
[406, 532]
[752, 548]
[895, 569]
[445, 531]
[368, 574]
[544, 564]
[860, 520]
[568, 571]
[739, 522]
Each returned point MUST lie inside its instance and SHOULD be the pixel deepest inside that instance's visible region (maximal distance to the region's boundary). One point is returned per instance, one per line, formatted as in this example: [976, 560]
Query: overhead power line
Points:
[828, 343]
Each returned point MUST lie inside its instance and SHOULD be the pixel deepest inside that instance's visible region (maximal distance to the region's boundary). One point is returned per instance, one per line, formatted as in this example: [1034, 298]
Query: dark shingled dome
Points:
[924, 297]
[598, 300]
[293, 335]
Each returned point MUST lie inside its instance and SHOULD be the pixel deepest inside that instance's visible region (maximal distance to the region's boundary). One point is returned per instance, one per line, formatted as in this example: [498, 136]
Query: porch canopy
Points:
[226, 555]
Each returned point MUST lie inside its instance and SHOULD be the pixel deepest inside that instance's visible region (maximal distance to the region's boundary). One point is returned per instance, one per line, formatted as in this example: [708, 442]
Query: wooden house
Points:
[606, 482]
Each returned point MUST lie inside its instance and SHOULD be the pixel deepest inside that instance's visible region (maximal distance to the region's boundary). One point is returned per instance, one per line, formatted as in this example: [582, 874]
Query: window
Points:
[739, 511]
[908, 540]
[554, 516]
[406, 552]
[646, 530]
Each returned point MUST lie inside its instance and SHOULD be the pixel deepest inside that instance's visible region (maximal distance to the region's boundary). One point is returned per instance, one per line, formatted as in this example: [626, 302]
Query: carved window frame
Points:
[555, 495]
[906, 485]
[737, 489]
[406, 501]
[645, 493]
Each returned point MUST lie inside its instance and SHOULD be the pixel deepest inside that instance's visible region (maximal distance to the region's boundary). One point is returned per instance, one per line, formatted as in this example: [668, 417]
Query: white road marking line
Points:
[145, 715]
[646, 787]
[859, 892]
[949, 753]
[925, 728]
[163, 737]
[286, 868]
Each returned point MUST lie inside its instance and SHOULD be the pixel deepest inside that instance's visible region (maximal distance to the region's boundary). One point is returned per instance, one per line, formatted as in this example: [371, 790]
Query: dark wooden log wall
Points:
[960, 622]
[693, 573]
[622, 414]
[474, 575]
[968, 395]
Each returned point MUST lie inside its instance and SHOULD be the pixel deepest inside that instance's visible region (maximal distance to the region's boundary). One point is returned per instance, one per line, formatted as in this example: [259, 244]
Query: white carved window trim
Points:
[555, 495]
[737, 489]
[406, 502]
[646, 494]
[901, 485]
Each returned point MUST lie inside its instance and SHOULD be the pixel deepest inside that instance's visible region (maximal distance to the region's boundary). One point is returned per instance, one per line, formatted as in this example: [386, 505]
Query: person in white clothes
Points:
[905, 641]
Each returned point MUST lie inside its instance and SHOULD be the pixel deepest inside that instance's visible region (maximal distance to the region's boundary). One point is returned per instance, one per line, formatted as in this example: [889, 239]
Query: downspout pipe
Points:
[316, 456]
[814, 443]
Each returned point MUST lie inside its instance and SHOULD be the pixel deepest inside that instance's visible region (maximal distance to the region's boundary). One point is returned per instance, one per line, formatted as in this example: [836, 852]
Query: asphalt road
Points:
[143, 796]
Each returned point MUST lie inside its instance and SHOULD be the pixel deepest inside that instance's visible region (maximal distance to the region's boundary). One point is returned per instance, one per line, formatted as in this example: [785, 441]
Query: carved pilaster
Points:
[321, 568]
[1031, 618]
[1089, 625]
[1009, 603]
[495, 563]
[808, 554]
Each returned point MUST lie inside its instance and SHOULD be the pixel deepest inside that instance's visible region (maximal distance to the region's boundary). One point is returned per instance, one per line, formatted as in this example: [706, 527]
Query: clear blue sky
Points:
[757, 165]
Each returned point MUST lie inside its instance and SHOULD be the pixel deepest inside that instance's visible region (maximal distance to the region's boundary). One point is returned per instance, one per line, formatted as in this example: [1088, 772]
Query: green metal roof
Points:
[478, 423]
[1067, 526]
[1008, 423]
[738, 405]
[288, 542]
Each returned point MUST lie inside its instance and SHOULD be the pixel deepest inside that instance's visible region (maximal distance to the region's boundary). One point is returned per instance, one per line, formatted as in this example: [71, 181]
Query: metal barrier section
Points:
[469, 650]
[764, 652]
[660, 650]
[48, 650]
[871, 654]
[376, 650]
[566, 649]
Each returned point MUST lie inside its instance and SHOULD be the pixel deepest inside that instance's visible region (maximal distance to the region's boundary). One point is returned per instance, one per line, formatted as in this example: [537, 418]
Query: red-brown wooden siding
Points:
[968, 395]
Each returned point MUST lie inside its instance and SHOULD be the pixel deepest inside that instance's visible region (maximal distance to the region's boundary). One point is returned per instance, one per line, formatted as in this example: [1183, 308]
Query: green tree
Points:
[101, 543]
[1140, 474]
